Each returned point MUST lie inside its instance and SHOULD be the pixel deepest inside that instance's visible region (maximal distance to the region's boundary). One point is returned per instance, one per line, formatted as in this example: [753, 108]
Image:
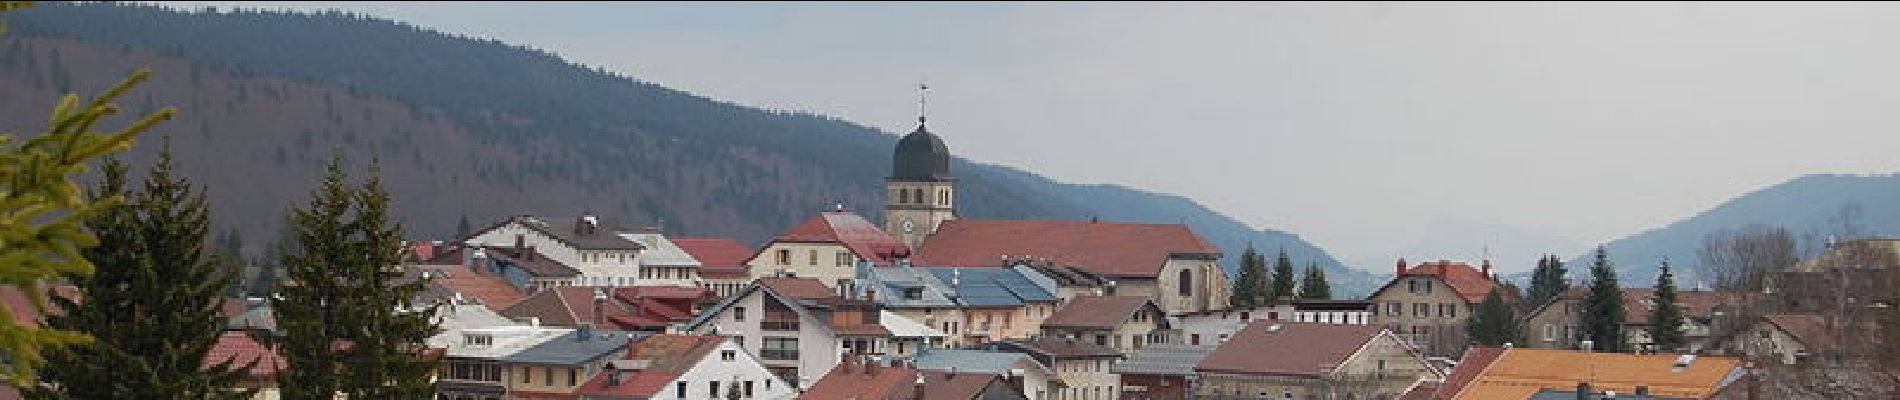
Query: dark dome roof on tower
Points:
[921, 156]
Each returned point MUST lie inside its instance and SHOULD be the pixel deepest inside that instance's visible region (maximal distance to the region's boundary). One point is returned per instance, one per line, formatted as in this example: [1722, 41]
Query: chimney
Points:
[1583, 391]
[1642, 390]
[1487, 269]
[521, 243]
[1401, 268]
[613, 375]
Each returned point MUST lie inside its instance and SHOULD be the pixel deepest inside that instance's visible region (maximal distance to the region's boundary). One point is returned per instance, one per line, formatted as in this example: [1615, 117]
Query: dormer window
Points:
[913, 293]
[478, 340]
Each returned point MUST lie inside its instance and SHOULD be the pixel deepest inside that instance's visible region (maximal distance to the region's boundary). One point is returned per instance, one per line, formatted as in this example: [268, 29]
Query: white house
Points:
[686, 367]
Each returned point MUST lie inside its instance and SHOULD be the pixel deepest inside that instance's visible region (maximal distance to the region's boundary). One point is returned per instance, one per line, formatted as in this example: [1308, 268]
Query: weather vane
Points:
[923, 91]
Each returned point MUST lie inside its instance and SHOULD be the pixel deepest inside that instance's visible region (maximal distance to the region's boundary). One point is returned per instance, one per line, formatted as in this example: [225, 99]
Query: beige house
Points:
[827, 248]
[1123, 323]
[536, 253]
[1427, 305]
[1293, 360]
[1557, 323]
[1081, 367]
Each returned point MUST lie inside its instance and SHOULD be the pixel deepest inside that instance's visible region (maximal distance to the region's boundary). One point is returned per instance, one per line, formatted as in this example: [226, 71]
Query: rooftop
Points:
[1164, 359]
[963, 360]
[1097, 312]
[719, 258]
[574, 348]
[1298, 349]
[864, 239]
[666, 357]
[1111, 249]
[1520, 373]
[659, 251]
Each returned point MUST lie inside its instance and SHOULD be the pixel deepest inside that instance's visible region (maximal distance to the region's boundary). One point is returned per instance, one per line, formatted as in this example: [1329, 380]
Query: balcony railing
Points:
[779, 325]
[779, 354]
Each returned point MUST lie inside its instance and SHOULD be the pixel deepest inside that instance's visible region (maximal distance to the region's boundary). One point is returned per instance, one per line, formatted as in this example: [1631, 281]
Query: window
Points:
[1286, 394]
[738, 314]
[1448, 310]
[1101, 339]
[1427, 285]
[1138, 343]
[713, 388]
[1392, 308]
[845, 258]
[547, 376]
[1411, 286]
[748, 389]
[903, 196]
[917, 194]
[1421, 310]
[1187, 282]
[679, 390]
[1194, 339]
[814, 258]
[914, 294]
[1550, 332]
[1246, 316]
[525, 378]
[784, 257]
[573, 376]
[726, 355]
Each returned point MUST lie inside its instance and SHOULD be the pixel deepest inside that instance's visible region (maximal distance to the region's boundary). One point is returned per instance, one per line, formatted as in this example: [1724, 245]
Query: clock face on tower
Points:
[909, 227]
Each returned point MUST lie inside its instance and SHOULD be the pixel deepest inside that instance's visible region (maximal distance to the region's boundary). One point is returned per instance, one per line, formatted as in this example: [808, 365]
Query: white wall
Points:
[743, 367]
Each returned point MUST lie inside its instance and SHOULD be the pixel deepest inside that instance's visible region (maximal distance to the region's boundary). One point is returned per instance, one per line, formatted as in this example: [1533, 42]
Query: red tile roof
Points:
[864, 239]
[1096, 312]
[1809, 329]
[21, 309]
[851, 380]
[1470, 366]
[490, 290]
[1112, 249]
[1064, 348]
[241, 350]
[799, 288]
[940, 385]
[1697, 304]
[1297, 349]
[718, 258]
[1470, 283]
[667, 357]
[565, 306]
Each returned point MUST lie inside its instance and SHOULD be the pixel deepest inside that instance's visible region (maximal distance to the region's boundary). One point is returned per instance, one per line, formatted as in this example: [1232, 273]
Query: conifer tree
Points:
[1547, 281]
[1250, 288]
[1283, 284]
[1603, 309]
[154, 303]
[462, 229]
[348, 327]
[1313, 285]
[1495, 323]
[1665, 320]
[231, 256]
[42, 212]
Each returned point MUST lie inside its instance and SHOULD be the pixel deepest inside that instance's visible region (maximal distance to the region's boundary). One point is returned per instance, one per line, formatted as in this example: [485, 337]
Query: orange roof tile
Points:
[799, 288]
[1475, 360]
[1113, 249]
[851, 380]
[1521, 372]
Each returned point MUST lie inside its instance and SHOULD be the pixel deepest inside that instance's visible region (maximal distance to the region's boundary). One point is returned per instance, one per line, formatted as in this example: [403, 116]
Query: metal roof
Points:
[977, 361]
[1164, 359]
[571, 349]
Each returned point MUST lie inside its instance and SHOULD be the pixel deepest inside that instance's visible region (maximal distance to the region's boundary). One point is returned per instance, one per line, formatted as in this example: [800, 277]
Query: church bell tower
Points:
[920, 194]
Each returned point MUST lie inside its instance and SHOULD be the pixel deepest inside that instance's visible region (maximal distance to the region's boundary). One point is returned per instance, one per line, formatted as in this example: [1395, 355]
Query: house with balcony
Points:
[721, 263]
[557, 367]
[799, 327]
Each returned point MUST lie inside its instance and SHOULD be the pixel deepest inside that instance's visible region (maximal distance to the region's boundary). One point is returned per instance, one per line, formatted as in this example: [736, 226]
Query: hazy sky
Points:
[1350, 124]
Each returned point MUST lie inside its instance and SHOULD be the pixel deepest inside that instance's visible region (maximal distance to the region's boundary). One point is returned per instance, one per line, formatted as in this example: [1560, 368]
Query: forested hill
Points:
[481, 128]
[1811, 208]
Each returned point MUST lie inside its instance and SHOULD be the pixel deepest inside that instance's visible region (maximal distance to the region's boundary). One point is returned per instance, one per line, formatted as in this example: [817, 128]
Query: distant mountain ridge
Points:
[1807, 206]
[484, 129]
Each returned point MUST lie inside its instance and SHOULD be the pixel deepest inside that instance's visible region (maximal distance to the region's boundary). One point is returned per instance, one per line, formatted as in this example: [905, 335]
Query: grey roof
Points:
[978, 361]
[891, 282]
[921, 156]
[1164, 359]
[570, 349]
[981, 287]
[260, 317]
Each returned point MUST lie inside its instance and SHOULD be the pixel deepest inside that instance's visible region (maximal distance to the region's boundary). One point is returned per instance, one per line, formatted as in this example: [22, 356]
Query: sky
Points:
[1354, 125]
